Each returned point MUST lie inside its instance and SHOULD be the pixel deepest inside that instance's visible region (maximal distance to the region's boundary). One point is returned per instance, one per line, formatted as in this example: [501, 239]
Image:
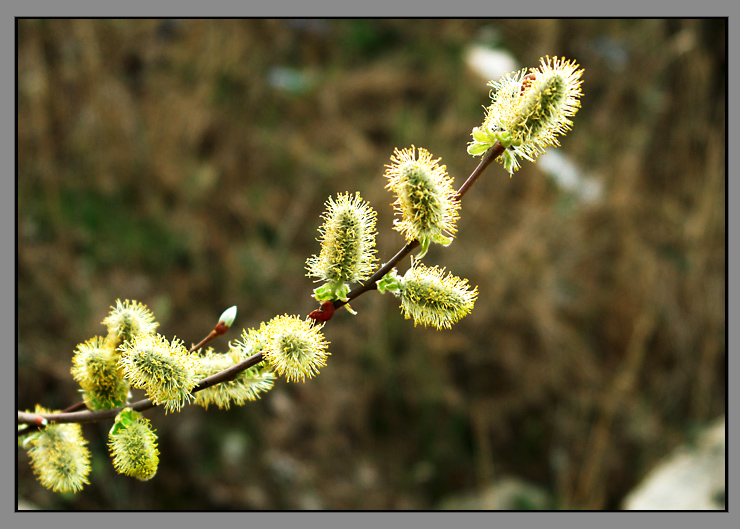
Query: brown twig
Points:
[490, 155]
[217, 331]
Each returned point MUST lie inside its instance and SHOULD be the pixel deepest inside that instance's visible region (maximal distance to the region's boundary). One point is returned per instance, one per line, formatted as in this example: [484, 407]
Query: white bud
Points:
[227, 318]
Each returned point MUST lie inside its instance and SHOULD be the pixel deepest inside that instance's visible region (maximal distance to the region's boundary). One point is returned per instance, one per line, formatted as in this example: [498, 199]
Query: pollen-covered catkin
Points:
[133, 446]
[95, 367]
[425, 198]
[59, 456]
[294, 347]
[347, 241]
[431, 298]
[127, 319]
[166, 370]
[529, 110]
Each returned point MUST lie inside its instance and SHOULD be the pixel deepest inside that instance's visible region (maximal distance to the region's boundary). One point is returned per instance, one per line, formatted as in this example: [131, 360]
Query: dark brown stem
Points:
[371, 284]
[229, 373]
[490, 155]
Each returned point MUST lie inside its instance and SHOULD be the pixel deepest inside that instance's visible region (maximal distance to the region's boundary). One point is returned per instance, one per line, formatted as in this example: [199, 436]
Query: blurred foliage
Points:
[185, 163]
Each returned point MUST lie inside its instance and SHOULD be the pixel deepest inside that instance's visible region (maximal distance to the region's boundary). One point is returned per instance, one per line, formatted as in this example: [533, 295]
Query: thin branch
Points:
[229, 373]
[217, 331]
[490, 155]
[203, 342]
[371, 283]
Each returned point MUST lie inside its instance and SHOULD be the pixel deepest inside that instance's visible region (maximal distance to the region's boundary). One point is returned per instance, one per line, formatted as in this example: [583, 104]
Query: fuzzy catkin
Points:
[133, 446]
[95, 367]
[529, 111]
[424, 196]
[347, 241]
[59, 456]
[431, 298]
[294, 347]
[164, 369]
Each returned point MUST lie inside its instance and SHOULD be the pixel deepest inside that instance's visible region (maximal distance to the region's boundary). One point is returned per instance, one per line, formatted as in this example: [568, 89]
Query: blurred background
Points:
[185, 163]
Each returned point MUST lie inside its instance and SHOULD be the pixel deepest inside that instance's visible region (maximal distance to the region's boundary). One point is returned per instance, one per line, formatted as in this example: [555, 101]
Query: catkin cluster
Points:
[133, 355]
[528, 111]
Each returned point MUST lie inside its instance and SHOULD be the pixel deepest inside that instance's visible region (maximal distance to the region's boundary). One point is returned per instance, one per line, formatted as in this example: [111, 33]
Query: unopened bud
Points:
[227, 318]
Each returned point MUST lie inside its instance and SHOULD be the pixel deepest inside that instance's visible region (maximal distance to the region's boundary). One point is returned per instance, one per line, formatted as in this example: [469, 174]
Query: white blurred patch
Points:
[490, 63]
[234, 447]
[289, 79]
[691, 478]
[570, 178]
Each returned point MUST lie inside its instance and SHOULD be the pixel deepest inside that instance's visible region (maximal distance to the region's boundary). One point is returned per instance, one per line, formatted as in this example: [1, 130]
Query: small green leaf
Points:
[342, 292]
[332, 291]
[441, 239]
[478, 148]
[424, 243]
[324, 293]
[390, 282]
[124, 419]
[481, 136]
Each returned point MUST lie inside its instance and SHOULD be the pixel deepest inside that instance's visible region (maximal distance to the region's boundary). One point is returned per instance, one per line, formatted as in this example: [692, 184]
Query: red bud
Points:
[324, 313]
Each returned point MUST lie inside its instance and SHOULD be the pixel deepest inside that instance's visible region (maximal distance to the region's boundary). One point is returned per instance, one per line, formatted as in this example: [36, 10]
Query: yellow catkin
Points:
[424, 196]
[431, 298]
[59, 456]
[294, 347]
[347, 241]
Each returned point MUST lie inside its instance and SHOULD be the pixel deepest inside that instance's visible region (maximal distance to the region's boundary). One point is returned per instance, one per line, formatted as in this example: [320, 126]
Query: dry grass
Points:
[157, 163]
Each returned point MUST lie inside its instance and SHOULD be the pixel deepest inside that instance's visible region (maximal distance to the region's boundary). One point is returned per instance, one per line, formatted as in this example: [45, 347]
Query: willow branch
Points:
[230, 373]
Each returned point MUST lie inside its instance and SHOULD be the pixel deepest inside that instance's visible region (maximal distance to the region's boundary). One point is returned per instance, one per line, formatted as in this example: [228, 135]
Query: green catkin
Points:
[347, 241]
[431, 298]
[529, 111]
[126, 320]
[133, 446]
[95, 367]
[165, 370]
[424, 197]
[59, 456]
[295, 348]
